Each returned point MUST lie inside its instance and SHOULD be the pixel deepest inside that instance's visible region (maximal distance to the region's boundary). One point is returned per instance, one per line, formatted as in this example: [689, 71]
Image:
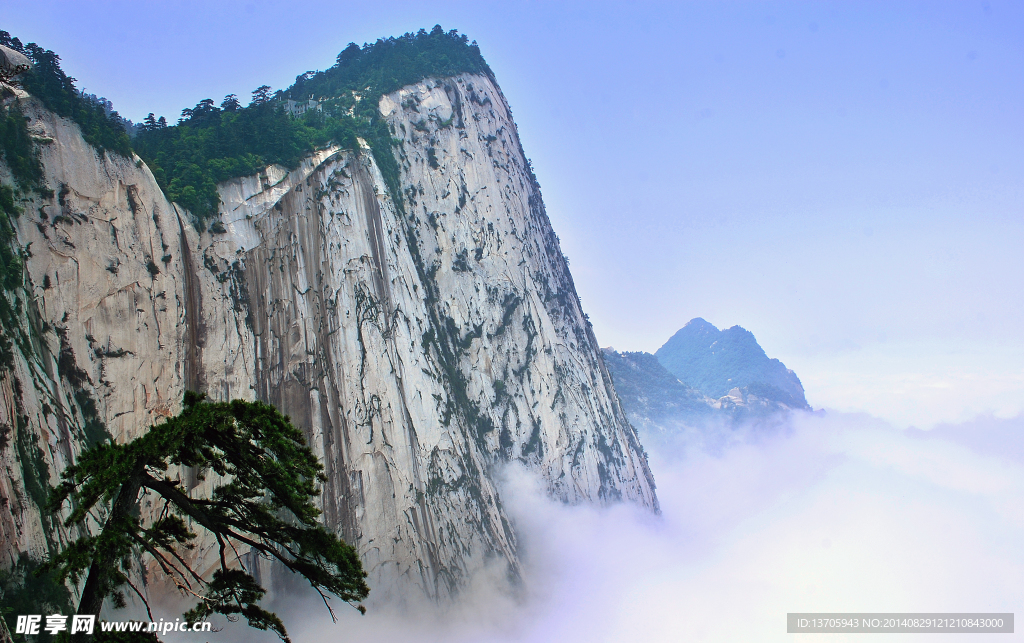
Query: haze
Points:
[831, 513]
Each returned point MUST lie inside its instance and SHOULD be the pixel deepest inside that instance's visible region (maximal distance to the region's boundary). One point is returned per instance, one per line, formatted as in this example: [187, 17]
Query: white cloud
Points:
[833, 513]
[919, 383]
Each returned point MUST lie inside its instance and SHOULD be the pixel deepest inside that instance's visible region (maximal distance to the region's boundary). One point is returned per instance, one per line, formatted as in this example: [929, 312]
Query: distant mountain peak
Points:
[717, 361]
[700, 378]
[698, 322]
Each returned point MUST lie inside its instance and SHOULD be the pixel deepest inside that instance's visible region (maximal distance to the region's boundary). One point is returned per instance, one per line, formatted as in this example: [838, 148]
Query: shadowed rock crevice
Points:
[193, 373]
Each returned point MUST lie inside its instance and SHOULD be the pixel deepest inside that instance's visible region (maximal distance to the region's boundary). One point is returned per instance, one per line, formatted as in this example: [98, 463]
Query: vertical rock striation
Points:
[421, 344]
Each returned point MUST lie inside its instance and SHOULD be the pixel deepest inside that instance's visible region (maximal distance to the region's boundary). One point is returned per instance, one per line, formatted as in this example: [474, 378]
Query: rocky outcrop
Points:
[420, 343]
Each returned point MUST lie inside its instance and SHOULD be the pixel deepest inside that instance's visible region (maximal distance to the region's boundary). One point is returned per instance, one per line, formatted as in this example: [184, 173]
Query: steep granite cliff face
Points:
[101, 331]
[420, 344]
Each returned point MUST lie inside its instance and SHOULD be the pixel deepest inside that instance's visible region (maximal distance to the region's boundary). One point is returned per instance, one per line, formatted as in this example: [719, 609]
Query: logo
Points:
[86, 624]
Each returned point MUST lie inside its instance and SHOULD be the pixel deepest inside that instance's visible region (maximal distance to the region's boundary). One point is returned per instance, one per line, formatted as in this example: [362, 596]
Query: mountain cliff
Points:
[421, 328]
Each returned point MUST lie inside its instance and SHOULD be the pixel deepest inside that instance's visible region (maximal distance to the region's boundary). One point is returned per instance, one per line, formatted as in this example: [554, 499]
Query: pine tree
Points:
[265, 480]
[261, 95]
[230, 103]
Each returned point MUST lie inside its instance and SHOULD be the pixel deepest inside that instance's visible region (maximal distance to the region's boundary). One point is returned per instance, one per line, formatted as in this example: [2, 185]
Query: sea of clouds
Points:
[827, 512]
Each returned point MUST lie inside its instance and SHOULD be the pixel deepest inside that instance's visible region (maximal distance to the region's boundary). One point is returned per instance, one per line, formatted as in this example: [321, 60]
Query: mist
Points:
[825, 512]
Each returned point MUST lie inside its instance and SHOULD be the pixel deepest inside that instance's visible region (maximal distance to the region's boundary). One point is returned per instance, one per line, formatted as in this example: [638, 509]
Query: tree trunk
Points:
[97, 584]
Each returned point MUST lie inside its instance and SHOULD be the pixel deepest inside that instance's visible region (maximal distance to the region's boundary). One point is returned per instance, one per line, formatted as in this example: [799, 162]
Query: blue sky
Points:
[841, 178]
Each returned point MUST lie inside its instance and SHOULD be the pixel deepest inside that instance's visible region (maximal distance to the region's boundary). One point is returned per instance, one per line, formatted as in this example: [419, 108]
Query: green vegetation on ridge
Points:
[48, 82]
[210, 144]
[387, 65]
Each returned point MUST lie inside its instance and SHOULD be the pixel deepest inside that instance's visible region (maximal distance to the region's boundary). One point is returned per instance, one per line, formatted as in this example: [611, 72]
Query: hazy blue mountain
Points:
[703, 379]
[717, 361]
[651, 396]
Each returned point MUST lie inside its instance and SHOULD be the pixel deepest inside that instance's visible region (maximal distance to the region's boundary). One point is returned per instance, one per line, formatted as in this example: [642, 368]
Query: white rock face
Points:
[103, 327]
[420, 345]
